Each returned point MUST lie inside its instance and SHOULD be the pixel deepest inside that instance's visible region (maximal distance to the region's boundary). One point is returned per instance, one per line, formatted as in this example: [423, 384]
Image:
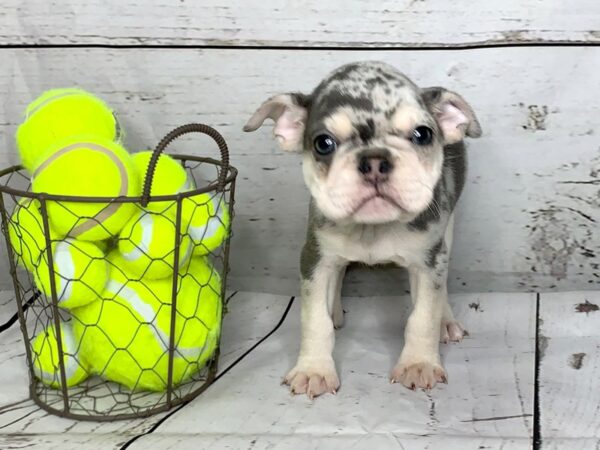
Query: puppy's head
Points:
[373, 142]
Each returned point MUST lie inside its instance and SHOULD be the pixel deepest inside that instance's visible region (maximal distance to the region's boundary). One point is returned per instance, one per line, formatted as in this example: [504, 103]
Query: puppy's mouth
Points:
[377, 207]
[377, 196]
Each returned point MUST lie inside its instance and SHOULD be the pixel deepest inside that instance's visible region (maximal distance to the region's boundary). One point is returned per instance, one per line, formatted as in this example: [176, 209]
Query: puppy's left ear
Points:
[453, 114]
[289, 112]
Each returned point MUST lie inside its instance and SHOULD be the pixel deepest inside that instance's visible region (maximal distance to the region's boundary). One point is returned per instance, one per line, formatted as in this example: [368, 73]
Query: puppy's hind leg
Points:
[451, 329]
[337, 312]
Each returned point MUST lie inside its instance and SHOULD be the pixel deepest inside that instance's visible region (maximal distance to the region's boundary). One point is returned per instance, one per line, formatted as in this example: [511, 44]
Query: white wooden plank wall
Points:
[336, 23]
[529, 216]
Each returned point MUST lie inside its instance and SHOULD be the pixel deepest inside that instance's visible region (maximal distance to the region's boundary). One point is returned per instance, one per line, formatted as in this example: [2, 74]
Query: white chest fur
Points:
[378, 244]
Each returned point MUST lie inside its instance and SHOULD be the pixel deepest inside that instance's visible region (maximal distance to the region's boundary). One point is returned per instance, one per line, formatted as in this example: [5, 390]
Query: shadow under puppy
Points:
[385, 162]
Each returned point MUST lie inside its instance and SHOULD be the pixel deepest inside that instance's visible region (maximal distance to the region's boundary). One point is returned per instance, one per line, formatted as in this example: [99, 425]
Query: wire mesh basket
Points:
[129, 325]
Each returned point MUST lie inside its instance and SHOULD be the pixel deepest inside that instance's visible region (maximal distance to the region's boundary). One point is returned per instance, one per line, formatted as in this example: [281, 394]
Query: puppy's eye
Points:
[325, 144]
[422, 136]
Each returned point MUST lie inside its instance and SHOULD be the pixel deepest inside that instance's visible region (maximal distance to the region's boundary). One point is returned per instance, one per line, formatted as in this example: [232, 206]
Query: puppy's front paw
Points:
[452, 331]
[419, 375]
[313, 379]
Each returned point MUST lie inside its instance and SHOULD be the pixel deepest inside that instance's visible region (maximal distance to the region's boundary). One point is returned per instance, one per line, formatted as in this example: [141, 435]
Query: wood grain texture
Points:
[354, 23]
[531, 202]
[23, 424]
[571, 444]
[488, 401]
[62, 441]
[569, 368]
[334, 441]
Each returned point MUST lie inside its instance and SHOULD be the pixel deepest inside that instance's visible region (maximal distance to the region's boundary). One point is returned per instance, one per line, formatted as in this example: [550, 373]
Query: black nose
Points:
[375, 168]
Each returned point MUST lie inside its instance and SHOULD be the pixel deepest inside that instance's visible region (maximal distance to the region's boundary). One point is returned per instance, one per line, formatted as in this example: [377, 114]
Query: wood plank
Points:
[317, 441]
[8, 307]
[251, 317]
[489, 398]
[63, 441]
[574, 444]
[569, 365]
[356, 23]
[525, 222]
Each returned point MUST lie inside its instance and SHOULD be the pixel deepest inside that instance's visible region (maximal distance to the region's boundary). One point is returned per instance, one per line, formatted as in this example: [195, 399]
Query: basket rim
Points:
[232, 173]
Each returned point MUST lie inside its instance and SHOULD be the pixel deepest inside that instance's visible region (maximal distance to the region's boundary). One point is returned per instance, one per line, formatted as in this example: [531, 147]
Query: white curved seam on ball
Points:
[218, 220]
[70, 346]
[208, 230]
[143, 247]
[65, 269]
[148, 315]
[70, 363]
[187, 255]
[107, 212]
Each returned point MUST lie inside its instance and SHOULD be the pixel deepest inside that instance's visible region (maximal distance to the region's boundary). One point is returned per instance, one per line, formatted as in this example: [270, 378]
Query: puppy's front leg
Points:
[419, 365]
[314, 373]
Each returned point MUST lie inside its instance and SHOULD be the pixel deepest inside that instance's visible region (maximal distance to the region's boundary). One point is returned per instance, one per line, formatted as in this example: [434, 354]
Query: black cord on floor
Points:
[227, 369]
[10, 322]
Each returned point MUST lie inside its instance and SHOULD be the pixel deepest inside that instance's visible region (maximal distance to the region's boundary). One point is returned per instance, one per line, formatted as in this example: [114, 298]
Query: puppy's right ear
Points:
[289, 112]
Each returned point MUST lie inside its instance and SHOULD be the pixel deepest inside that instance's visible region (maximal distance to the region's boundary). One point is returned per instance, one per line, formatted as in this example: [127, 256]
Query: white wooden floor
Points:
[494, 399]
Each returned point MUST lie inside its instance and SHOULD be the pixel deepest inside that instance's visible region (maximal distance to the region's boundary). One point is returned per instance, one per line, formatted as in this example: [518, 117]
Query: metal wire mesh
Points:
[122, 327]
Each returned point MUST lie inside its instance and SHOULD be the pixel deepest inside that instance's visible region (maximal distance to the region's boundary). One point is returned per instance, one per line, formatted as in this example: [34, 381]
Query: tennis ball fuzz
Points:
[46, 358]
[147, 245]
[206, 218]
[169, 178]
[91, 167]
[80, 273]
[26, 233]
[57, 114]
[126, 336]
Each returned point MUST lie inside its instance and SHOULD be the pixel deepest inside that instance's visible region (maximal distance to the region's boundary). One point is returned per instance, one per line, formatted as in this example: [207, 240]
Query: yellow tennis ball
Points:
[80, 273]
[26, 233]
[57, 114]
[169, 178]
[125, 337]
[46, 358]
[91, 167]
[206, 219]
[147, 246]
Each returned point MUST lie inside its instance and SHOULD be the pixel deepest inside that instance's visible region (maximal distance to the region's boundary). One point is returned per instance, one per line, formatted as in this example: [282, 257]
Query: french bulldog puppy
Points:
[385, 162]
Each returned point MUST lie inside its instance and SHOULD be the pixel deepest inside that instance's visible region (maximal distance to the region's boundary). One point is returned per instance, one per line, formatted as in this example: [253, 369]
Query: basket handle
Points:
[170, 137]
